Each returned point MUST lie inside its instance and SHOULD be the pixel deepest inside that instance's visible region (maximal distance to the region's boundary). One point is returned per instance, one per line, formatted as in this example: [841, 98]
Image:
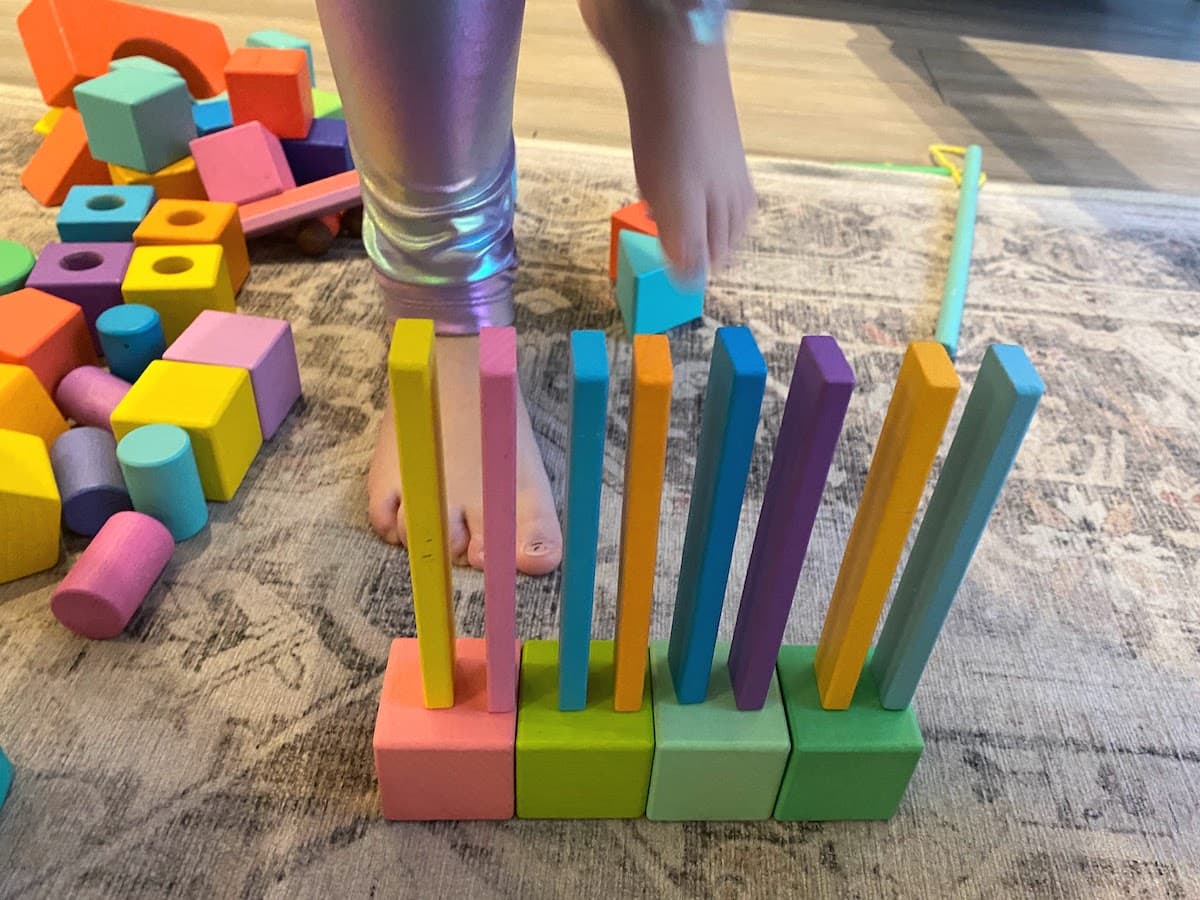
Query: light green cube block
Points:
[713, 761]
[327, 104]
[137, 118]
[592, 763]
[845, 764]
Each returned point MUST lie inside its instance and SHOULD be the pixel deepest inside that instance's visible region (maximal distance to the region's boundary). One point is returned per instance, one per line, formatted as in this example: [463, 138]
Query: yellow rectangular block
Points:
[916, 418]
[25, 406]
[645, 462]
[180, 282]
[213, 404]
[30, 508]
[412, 372]
[171, 222]
[45, 124]
[178, 181]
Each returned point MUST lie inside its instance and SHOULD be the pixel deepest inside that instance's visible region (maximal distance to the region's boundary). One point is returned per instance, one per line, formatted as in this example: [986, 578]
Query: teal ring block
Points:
[651, 299]
[103, 213]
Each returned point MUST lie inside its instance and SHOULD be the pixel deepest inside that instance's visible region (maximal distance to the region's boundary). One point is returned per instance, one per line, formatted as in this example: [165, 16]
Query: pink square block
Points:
[242, 164]
[264, 347]
[455, 763]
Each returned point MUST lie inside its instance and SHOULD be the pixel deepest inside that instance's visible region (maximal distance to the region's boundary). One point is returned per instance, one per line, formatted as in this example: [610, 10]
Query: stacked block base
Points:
[454, 763]
[845, 764]
[713, 761]
[592, 763]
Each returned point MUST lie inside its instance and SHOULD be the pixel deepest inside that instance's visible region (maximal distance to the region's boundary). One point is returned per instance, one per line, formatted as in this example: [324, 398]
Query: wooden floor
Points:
[879, 84]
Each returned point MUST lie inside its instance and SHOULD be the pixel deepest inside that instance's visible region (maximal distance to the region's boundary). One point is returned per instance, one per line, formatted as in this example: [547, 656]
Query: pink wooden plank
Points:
[328, 195]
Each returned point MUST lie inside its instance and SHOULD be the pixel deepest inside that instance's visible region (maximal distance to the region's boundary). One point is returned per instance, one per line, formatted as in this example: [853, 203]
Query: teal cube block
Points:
[845, 764]
[103, 213]
[651, 299]
[136, 118]
[281, 40]
[713, 761]
[590, 763]
[6, 777]
[144, 64]
[213, 114]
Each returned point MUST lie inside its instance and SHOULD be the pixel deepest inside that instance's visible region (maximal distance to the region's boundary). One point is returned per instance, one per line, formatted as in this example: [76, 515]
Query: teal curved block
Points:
[651, 299]
[136, 117]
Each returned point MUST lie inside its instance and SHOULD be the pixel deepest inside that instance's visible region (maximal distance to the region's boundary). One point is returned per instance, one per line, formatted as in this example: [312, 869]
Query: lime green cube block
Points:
[845, 764]
[327, 104]
[713, 761]
[592, 763]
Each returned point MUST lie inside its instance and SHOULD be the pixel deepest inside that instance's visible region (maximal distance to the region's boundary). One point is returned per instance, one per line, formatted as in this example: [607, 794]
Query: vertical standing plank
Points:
[916, 418]
[645, 462]
[736, 380]
[412, 370]
[954, 293]
[498, 411]
[585, 468]
[999, 410]
[822, 382]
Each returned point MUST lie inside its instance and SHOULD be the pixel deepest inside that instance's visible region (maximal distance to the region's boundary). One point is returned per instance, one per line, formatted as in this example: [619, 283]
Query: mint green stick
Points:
[954, 295]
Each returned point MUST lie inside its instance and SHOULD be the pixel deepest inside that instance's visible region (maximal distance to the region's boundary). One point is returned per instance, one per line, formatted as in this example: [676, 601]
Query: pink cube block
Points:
[264, 347]
[242, 164]
[455, 763]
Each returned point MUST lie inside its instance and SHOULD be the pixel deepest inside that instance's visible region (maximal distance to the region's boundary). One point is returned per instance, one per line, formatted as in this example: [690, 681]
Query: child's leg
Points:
[428, 92]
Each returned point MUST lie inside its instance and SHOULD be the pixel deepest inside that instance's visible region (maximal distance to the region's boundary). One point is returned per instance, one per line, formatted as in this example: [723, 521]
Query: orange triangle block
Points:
[635, 217]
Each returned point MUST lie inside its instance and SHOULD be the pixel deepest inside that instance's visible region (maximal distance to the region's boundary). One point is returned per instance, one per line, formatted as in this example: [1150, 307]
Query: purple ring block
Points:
[264, 347]
[87, 274]
[89, 479]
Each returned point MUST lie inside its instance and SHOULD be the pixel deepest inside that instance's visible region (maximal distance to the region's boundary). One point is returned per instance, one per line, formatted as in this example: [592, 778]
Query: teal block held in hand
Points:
[651, 298]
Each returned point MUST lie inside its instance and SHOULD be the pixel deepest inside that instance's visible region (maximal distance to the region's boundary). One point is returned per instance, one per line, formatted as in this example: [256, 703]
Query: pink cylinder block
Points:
[88, 395]
[113, 575]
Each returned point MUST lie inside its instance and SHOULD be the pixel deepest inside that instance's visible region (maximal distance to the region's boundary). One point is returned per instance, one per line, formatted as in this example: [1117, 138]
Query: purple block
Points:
[87, 274]
[822, 383]
[262, 346]
[325, 152]
[89, 479]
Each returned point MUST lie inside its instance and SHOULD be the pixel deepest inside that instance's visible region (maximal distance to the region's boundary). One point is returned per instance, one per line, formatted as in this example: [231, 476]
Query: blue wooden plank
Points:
[585, 467]
[954, 293]
[1001, 406]
[736, 380]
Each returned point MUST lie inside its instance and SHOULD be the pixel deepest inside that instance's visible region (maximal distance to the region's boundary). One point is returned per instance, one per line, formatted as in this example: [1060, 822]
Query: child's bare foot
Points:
[539, 536]
[687, 147]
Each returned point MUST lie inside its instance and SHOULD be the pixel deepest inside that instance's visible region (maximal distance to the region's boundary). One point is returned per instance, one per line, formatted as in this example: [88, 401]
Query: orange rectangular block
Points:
[61, 162]
[178, 181]
[452, 763]
[26, 407]
[635, 217]
[270, 86]
[198, 222]
[645, 462]
[45, 333]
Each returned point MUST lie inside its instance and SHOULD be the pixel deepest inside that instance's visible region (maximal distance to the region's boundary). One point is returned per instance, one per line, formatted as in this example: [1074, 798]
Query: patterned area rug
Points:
[221, 747]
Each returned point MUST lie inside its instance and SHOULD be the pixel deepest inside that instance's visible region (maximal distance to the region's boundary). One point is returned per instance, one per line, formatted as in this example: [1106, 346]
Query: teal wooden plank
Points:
[954, 293]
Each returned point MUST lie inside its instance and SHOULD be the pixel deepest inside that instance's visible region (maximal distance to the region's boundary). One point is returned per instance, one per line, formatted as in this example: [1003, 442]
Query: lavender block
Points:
[89, 479]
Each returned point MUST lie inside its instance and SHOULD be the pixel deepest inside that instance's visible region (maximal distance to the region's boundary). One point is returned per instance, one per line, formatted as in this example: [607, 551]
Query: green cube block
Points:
[592, 763]
[327, 104]
[845, 764]
[713, 761]
[137, 118]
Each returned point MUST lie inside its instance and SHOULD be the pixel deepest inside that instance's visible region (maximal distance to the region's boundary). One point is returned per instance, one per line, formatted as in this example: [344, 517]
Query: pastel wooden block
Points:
[160, 472]
[454, 763]
[179, 282]
[213, 404]
[45, 333]
[327, 104]
[89, 275]
[30, 511]
[282, 40]
[736, 380]
[651, 298]
[26, 407]
[263, 347]
[329, 195]
[16, 262]
[45, 124]
[498, 392]
[213, 114]
[178, 181]
[412, 376]
[325, 151]
[592, 763]
[69, 41]
[588, 403]
[737, 756]
[645, 464]
[198, 222]
[6, 777]
[1003, 400]
[88, 395]
[88, 477]
[131, 337]
[242, 164]
[112, 576]
[271, 86]
[137, 118]
[103, 212]
[635, 217]
[62, 161]
[908, 443]
[845, 764]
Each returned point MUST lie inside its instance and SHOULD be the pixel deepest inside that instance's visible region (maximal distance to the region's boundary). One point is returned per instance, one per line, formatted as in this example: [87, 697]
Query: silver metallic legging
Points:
[427, 87]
